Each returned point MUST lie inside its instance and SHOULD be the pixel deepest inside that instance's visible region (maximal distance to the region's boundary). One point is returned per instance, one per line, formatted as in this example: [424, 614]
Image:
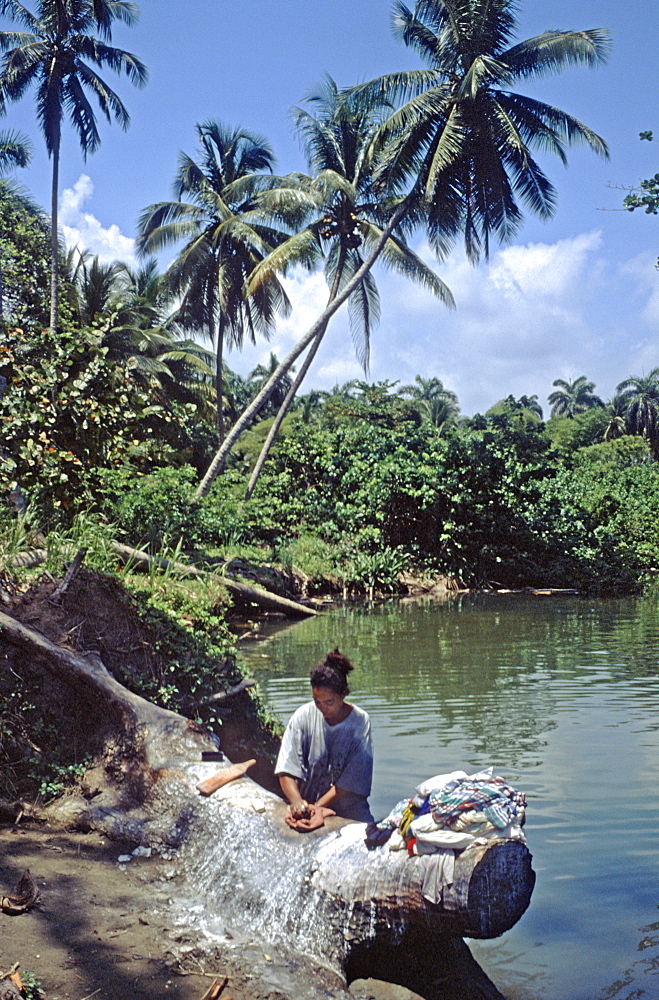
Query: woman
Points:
[326, 758]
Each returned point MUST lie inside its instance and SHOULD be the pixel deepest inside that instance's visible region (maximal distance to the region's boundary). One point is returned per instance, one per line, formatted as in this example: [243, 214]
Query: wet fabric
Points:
[320, 755]
[438, 874]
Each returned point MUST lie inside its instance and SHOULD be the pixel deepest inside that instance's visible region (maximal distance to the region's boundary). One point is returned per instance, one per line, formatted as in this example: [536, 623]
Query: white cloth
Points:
[431, 838]
[438, 873]
[434, 784]
[431, 785]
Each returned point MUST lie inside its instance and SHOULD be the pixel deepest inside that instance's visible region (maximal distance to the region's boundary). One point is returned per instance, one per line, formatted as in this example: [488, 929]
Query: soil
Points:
[101, 927]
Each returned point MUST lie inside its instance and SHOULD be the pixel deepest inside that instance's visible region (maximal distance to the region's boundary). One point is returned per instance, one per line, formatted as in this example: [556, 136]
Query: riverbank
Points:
[106, 929]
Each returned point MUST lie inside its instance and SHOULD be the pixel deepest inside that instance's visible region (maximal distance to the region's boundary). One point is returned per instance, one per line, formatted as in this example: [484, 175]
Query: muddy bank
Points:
[108, 929]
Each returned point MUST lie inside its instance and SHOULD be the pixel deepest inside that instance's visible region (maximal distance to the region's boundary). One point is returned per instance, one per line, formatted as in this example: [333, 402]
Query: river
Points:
[561, 695]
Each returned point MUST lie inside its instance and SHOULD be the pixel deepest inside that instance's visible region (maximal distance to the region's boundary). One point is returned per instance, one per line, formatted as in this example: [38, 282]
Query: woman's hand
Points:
[297, 806]
[299, 809]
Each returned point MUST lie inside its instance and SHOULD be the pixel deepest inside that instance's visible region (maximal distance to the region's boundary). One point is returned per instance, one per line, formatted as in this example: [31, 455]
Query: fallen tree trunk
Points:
[143, 561]
[256, 595]
[323, 895]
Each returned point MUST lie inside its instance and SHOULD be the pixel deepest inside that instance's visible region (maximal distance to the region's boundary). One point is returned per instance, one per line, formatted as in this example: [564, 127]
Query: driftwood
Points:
[61, 589]
[243, 685]
[223, 777]
[143, 561]
[322, 895]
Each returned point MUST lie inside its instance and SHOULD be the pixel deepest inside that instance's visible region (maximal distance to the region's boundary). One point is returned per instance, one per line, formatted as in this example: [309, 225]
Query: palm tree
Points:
[260, 375]
[225, 236]
[457, 155]
[57, 54]
[131, 311]
[15, 151]
[463, 136]
[432, 401]
[573, 397]
[617, 425]
[94, 285]
[347, 218]
[639, 400]
[141, 330]
[532, 404]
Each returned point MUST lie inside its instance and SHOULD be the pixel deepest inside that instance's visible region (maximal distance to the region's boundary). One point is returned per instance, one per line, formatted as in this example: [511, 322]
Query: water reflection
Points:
[561, 695]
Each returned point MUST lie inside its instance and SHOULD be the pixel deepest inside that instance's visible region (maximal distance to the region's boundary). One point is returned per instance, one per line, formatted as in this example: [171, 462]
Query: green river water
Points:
[561, 695]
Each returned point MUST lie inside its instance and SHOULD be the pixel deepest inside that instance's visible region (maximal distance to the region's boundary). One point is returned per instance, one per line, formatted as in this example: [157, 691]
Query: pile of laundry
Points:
[448, 813]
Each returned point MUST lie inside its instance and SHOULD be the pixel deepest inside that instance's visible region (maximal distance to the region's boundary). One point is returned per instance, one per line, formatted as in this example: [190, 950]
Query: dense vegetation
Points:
[363, 482]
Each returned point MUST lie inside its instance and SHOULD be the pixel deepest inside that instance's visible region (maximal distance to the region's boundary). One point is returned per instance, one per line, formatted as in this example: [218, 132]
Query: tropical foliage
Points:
[24, 258]
[225, 236]
[67, 414]
[573, 397]
[457, 155]
[117, 409]
[56, 55]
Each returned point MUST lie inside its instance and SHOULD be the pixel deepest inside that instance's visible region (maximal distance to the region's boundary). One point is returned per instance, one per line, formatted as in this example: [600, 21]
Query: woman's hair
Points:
[332, 673]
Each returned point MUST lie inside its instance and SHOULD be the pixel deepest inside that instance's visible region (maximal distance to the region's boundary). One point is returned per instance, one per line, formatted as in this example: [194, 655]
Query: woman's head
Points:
[332, 673]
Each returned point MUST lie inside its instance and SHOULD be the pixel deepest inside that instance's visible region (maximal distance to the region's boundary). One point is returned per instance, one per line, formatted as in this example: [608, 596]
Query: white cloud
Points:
[642, 269]
[524, 318]
[83, 230]
[308, 296]
[531, 314]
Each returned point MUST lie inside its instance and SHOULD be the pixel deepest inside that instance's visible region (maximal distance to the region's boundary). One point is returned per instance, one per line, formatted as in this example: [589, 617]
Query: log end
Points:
[499, 889]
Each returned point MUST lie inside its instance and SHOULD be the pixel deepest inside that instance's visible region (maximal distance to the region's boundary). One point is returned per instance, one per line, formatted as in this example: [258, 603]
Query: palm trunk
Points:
[283, 410]
[219, 382]
[54, 241]
[262, 397]
[290, 395]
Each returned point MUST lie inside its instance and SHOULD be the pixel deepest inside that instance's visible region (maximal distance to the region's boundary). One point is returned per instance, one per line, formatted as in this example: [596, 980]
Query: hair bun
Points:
[332, 673]
[339, 661]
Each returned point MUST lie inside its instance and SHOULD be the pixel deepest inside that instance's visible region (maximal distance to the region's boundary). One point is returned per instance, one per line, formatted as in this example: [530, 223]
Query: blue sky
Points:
[578, 295]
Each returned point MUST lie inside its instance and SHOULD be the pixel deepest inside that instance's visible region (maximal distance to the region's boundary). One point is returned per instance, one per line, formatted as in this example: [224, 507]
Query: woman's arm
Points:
[331, 797]
[291, 790]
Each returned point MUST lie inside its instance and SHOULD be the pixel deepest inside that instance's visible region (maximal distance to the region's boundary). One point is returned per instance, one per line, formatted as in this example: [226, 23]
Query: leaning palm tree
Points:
[639, 400]
[347, 216]
[571, 398]
[457, 155]
[224, 235]
[57, 54]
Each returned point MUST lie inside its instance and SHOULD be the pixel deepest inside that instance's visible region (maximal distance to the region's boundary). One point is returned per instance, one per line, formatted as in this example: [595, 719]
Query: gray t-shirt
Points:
[320, 755]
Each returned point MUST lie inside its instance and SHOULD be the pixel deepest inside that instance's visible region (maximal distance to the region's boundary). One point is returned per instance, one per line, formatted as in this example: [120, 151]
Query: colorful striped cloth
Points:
[498, 801]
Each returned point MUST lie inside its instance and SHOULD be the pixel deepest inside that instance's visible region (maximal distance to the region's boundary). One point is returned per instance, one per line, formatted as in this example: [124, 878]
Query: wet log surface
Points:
[321, 896]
